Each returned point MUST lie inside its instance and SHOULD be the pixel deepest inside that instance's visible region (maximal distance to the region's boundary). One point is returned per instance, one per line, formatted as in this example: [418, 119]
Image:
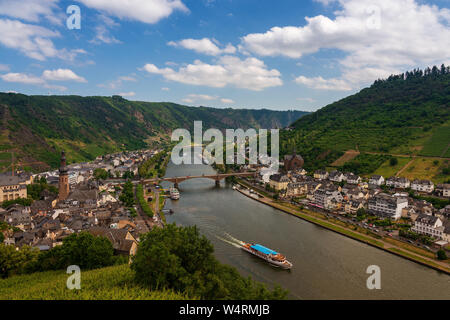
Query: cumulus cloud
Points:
[147, 11]
[250, 73]
[22, 78]
[62, 75]
[32, 10]
[204, 46]
[378, 38]
[33, 41]
[42, 81]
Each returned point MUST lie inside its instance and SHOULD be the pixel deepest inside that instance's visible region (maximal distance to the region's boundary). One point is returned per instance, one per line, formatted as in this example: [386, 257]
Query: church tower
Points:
[63, 179]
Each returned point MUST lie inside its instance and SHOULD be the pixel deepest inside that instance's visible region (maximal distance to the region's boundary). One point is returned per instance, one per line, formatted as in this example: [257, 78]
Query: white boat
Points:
[174, 194]
[267, 254]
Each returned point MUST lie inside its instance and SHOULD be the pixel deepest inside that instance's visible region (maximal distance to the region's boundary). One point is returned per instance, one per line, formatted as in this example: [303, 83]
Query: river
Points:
[326, 265]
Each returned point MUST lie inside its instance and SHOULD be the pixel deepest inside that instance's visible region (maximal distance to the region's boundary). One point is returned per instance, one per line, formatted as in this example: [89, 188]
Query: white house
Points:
[422, 186]
[321, 174]
[429, 225]
[376, 180]
[336, 176]
[353, 179]
[387, 206]
[398, 182]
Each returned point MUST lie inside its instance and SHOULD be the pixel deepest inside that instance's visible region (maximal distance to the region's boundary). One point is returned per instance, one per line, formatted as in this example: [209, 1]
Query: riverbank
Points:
[372, 241]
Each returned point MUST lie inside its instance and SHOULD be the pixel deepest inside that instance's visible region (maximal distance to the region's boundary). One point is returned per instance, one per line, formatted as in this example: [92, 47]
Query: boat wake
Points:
[231, 240]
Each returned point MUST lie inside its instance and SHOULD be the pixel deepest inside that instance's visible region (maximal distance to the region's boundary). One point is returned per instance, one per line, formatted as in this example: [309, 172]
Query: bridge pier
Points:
[217, 183]
[175, 185]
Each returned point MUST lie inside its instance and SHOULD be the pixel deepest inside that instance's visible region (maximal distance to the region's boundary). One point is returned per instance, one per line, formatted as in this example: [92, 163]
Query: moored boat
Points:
[174, 194]
[267, 254]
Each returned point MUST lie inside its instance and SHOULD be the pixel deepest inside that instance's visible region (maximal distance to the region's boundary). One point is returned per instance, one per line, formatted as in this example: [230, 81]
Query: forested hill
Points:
[38, 127]
[407, 113]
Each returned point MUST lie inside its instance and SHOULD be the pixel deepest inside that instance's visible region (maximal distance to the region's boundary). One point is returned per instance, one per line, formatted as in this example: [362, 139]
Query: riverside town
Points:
[225, 159]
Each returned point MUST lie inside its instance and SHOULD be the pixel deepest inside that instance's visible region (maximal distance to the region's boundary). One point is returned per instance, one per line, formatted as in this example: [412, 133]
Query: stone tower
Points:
[63, 179]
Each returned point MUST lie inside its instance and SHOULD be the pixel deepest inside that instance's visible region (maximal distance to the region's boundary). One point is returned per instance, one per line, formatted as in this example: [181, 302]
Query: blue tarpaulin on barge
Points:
[263, 249]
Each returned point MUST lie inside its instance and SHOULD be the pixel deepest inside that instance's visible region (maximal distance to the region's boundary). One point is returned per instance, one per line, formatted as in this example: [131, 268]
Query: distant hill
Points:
[405, 114]
[38, 127]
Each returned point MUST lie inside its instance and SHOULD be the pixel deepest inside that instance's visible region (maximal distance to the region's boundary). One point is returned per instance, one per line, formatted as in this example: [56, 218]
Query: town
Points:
[40, 210]
[416, 212]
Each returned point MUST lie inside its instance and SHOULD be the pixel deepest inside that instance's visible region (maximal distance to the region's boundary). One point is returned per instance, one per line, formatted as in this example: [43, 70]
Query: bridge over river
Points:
[216, 177]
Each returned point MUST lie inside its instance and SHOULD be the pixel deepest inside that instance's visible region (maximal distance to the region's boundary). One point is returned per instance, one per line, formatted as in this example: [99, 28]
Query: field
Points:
[386, 170]
[426, 168]
[112, 283]
[348, 156]
[438, 144]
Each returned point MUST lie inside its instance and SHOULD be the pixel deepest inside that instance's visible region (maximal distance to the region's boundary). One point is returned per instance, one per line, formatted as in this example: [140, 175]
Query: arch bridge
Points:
[216, 177]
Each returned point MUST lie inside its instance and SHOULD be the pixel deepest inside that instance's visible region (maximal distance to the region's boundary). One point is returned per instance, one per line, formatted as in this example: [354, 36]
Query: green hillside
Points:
[111, 283]
[37, 127]
[406, 114]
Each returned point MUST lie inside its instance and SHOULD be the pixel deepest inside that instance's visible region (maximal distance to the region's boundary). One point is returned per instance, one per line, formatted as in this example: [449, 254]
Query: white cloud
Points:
[165, 89]
[309, 100]
[147, 11]
[117, 83]
[31, 10]
[47, 75]
[378, 38]
[102, 33]
[4, 67]
[127, 94]
[62, 75]
[250, 73]
[205, 46]
[33, 41]
[198, 97]
[22, 78]
[324, 84]
[226, 101]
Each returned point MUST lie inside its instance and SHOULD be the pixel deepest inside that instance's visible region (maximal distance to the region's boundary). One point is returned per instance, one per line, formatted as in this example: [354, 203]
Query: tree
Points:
[127, 195]
[178, 258]
[441, 255]
[14, 261]
[101, 174]
[87, 251]
[393, 162]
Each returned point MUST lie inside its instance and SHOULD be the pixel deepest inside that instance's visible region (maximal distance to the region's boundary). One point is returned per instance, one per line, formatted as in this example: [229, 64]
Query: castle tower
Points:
[63, 179]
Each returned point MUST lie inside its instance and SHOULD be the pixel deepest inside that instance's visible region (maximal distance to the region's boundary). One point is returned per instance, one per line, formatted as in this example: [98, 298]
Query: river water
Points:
[326, 265]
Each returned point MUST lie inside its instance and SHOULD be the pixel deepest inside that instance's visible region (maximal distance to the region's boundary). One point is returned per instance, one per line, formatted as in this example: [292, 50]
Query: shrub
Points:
[441, 255]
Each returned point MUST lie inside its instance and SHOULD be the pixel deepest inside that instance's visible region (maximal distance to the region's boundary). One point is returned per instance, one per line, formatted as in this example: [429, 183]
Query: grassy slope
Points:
[112, 283]
[395, 116]
[37, 127]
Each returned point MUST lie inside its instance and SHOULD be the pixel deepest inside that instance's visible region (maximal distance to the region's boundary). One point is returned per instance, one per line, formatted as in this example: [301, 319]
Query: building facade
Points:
[11, 188]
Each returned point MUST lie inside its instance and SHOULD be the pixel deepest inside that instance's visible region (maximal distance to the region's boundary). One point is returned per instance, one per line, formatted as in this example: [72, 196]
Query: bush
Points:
[178, 258]
[441, 255]
[22, 201]
[14, 261]
[393, 162]
[82, 249]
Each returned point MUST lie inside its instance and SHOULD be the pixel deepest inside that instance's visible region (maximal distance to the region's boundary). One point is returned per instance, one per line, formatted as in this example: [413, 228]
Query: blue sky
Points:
[286, 54]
